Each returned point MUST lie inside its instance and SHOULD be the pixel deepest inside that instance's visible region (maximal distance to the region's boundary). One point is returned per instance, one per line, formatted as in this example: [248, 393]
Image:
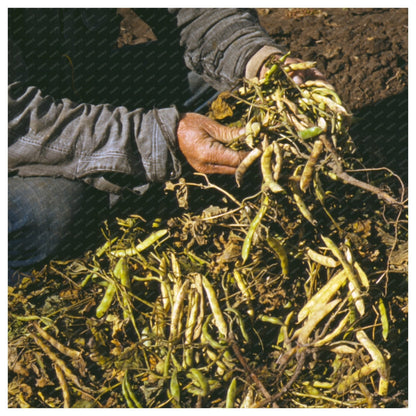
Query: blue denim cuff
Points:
[157, 144]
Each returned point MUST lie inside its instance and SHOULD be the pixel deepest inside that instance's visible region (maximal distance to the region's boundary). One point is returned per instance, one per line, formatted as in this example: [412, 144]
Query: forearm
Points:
[50, 137]
[220, 43]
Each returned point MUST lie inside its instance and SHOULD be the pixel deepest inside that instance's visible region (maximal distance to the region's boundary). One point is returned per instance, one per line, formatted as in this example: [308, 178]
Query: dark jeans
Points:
[50, 216]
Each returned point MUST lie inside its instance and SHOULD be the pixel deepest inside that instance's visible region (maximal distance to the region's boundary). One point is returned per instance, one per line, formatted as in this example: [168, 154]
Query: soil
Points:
[362, 52]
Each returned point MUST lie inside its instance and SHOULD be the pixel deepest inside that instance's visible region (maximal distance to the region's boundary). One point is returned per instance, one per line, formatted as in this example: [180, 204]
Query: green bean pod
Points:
[176, 268]
[207, 336]
[378, 358]
[356, 376]
[317, 83]
[331, 104]
[384, 319]
[128, 393]
[253, 127]
[215, 358]
[374, 352]
[362, 275]
[279, 249]
[328, 91]
[309, 132]
[201, 385]
[245, 251]
[245, 291]
[240, 323]
[270, 319]
[122, 273]
[231, 394]
[248, 399]
[270, 72]
[150, 240]
[105, 303]
[197, 282]
[174, 387]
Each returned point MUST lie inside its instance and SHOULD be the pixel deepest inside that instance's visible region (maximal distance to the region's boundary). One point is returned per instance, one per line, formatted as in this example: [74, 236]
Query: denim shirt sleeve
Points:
[220, 42]
[50, 137]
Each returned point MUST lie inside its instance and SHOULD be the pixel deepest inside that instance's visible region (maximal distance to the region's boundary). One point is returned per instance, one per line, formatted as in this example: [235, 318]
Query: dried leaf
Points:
[220, 109]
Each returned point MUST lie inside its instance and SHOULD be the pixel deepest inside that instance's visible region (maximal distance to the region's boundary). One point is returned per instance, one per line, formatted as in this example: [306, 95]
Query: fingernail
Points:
[297, 79]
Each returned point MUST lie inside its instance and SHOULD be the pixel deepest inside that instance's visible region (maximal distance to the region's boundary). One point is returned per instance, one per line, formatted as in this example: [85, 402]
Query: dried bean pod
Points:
[267, 171]
[353, 282]
[324, 295]
[245, 164]
[215, 307]
[321, 259]
[309, 168]
[177, 310]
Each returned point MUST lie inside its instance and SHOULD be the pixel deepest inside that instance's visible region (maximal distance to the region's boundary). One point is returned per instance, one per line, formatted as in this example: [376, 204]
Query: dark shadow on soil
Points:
[380, 132]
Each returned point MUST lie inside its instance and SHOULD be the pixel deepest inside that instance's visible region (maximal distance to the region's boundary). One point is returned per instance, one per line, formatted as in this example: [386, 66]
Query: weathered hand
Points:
[201, 140]
[299, 77]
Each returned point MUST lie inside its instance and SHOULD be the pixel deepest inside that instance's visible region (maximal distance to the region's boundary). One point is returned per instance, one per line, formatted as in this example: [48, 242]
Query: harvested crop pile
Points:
[278, 295]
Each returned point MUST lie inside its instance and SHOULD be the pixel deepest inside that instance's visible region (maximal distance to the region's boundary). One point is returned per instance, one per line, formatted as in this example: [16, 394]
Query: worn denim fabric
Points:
[219, 43]
[50, 216]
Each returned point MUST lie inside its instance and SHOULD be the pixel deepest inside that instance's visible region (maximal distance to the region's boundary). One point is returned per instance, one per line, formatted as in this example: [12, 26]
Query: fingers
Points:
[201, 140]
[222, 133]
[214, 157]
[216, 169]
[220, 159]
[211, 127]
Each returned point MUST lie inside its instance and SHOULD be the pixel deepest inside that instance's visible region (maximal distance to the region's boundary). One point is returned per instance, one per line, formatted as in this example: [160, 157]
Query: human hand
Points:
[202, 142]
[299, 76]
